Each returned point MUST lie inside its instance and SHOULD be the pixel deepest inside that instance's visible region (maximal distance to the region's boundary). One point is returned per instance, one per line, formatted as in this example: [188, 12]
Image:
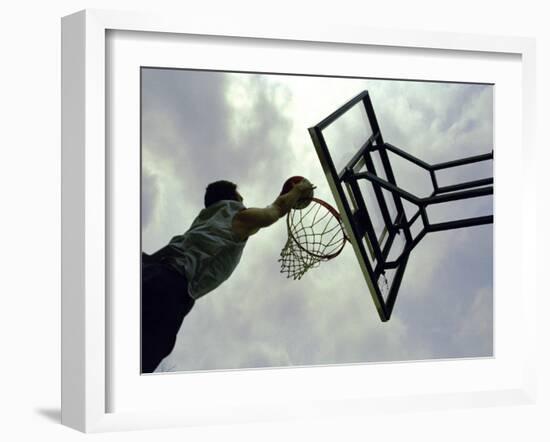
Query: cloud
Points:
[149, 196]
[252, 129]
[475, 334]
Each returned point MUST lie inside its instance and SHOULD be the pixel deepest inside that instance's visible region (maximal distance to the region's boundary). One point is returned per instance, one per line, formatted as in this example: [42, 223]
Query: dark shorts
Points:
[164, 304]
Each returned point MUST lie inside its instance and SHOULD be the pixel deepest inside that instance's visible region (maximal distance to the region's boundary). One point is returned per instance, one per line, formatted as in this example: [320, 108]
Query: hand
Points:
[301, 191]
[305, 188]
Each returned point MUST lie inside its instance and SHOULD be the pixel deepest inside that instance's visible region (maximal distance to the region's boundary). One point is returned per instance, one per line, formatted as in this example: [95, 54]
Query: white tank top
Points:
[208, 253]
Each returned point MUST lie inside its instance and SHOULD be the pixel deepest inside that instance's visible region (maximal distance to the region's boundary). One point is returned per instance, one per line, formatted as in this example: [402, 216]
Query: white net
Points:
[315, 234]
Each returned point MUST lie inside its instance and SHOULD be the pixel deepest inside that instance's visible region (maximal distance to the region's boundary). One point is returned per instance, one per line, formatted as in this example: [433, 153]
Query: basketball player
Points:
[197, 262]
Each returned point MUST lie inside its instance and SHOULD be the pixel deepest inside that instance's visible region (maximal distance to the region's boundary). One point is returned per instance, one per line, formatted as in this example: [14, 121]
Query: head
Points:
[219, 191]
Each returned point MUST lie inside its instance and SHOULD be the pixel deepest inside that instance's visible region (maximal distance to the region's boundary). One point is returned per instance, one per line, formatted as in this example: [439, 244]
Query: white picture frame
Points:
[85, 209]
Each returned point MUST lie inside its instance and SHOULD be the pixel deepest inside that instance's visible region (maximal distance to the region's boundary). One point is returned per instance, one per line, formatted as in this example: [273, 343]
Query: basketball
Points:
[287, 187]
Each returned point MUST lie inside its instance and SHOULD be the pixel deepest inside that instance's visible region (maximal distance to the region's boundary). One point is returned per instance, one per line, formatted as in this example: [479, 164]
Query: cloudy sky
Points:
[198, 127]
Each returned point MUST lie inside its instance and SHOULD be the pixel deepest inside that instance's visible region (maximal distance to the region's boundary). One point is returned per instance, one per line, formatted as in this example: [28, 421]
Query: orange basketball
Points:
[287, 187]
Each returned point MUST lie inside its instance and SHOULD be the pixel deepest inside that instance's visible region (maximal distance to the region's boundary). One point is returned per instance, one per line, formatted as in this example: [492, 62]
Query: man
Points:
[197, 262]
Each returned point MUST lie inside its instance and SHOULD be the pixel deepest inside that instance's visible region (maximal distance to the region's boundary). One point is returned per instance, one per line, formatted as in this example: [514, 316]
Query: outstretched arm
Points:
[250, 221]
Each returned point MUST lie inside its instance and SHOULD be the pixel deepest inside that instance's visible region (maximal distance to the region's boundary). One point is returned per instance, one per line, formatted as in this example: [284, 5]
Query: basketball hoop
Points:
[315, 234]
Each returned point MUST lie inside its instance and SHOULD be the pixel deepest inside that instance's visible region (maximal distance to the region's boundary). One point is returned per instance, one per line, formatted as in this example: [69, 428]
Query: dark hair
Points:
[219, 191]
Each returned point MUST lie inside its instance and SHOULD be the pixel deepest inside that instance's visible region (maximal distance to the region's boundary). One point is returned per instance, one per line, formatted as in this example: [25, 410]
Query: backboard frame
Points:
[355, 213]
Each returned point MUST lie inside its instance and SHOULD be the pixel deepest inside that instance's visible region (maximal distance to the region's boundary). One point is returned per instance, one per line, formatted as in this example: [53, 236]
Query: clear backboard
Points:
[357, 165]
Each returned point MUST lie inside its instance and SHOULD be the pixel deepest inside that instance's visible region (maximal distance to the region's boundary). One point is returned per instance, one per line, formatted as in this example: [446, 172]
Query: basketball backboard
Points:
[356, 161]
